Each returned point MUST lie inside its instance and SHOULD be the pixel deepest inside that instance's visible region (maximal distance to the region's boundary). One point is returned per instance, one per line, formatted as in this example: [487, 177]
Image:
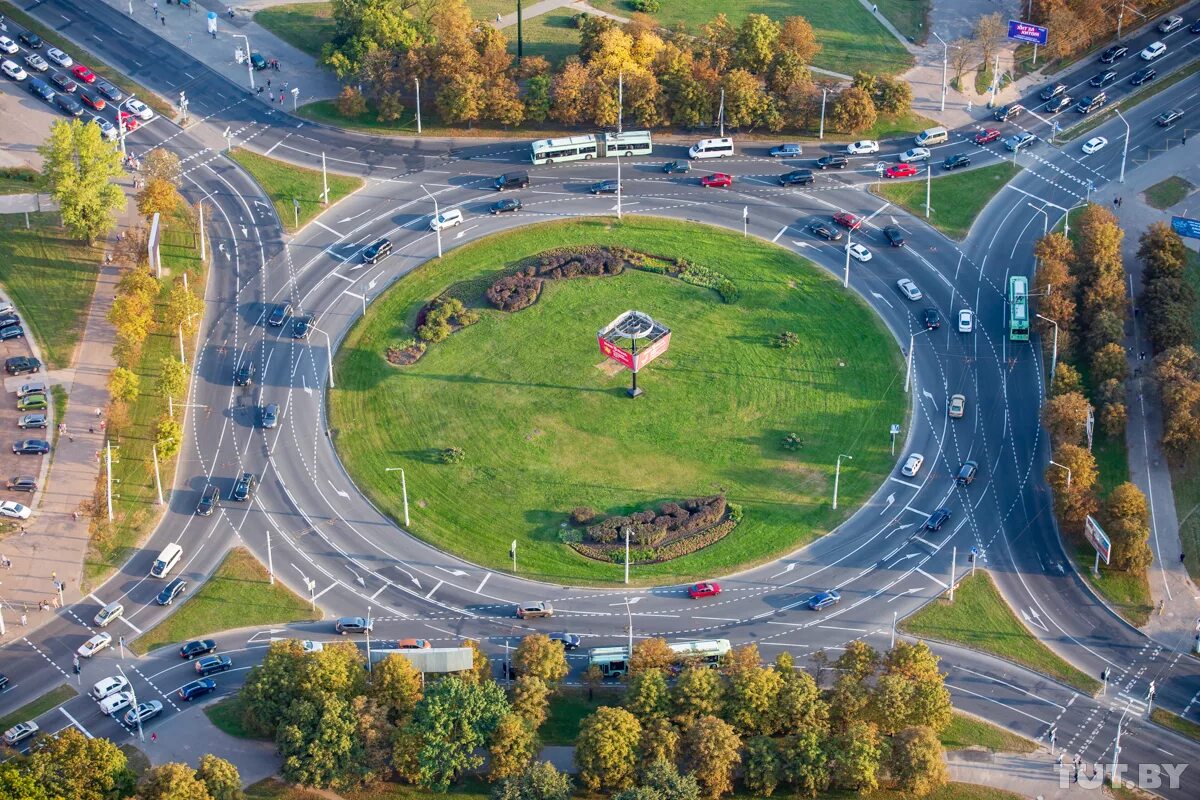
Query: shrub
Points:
[792, 442]
[513, 292]
[736, 512]
[579, 19]
[434, 330]
[570, 535]
[787, 340]
[646, 6]
[582, 515]
[728, 290]
[452, 455]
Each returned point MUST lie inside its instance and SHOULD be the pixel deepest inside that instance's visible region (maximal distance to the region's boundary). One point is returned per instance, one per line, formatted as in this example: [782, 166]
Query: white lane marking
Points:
[317, 596]
[76, 723]
[479, 588]
[935, 580]
[326, 227]
[906, 483]
[718, 619]
[434, 589]
[379, 591]
[781, 232]
[997, 702]
[1016, 688]
[836, 628]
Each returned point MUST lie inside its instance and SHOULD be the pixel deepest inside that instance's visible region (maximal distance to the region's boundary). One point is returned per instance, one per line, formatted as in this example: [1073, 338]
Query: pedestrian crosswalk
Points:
[1135, 705]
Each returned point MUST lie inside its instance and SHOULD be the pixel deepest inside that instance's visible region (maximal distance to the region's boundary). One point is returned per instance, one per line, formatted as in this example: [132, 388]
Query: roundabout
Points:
[544, 424]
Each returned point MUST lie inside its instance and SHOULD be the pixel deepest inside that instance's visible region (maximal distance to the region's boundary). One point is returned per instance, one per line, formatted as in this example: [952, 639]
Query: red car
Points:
[986, 136]
[704, 589]
[847, 220]
[717, 179]
[901, 171]
[128, 120]
[83, 73]
[93, 100]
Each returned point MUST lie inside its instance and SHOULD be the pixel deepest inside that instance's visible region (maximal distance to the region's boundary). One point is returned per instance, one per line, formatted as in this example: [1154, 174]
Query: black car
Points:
[210, 665]
[1058, 104]
[209, 500]
[937, 519]
[69, 105]
[23, 483]
[673, 167]
[30, 39]
[1103, 79]
[797, 177]
[39, 88]
[108, 90]
[279, 315]
[301, 327]
[894, 235]
[1010, 111]
[11, 332]
[505, 205]
[956, 161]
[1053, 90]
[511, 180]
[376, 251]
[9, 319]
[245, 374]
[172, 590]
[604, 187]
[243, 488]
[1195, 27]
[825, 162]
[31, 447]
[22, 365]
[966, 475]
[258, 62]
[1143, 75]
[196, 689]
[1113, 53]
[931, 319]
[825, 232]
[64, 82]
[569, 641]
[1090, 103]
[1168, 117]
[199, 648]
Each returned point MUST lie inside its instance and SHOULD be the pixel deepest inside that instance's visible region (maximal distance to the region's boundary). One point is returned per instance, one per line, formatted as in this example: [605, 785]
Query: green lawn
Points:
[979, 618]
[552, 35]
[237, 595]
[1165, 194]
[567, 710]
[228, 716]
[546, 428]
[51, 277]
[285, 183]
[852, 39]
[305, 26]
[957, 198]
[910, 17]
[1176, 723]
[967, 731]
[1185, 476]
[39, 706]
[59, 400]
[18, 180]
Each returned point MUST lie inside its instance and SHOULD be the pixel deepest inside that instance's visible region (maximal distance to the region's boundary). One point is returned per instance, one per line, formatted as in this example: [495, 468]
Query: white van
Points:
[711, 148]
[166, 560]
[932, 136]
[108, 614]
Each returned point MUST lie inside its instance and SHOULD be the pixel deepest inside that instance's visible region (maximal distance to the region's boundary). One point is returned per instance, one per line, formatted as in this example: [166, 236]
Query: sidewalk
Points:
[186, 736]
[17, 203]
[1169, 580]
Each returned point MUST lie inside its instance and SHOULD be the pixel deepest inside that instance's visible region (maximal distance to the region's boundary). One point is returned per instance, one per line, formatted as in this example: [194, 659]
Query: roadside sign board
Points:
[1099, 539]
[1186, 227]
[1026, 32]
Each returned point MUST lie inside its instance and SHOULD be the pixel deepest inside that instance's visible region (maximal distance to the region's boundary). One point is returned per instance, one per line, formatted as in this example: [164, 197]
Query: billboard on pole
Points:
[1186, 227]
[618, 354]
[1027, 32]
[1099, 539]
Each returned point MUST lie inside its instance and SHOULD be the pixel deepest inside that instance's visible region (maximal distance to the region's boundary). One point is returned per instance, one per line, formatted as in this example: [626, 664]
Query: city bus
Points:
[577, 148]
[1018, 308]
[629, 143]
[614, 661]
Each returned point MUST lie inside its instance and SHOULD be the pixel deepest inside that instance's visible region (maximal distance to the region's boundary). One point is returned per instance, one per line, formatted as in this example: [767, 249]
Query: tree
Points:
[172, 781]
[752, 698]
[1100, 272]
[1178, 373]
[81, 169]
[606, 749]
[990, 30]
[1127, 523]
[659, 742]
[17, 781]
[963, 53]
[537, 98]
[718, 40]
[287, 674]
[514, 746]
[539, 781]
[351, 103]
[1054, 285]
[184, 308]
[756, 43]
[591, 32]
[161, 164]
[651, 654]
[856, 754]
[745, 99]
[853, 111]
[455, 719]
[539, 657]
[858, 661]
[710, 749]
[364, 26]
[1169, 304]
[697, 692]
[168, 436]
[375, 739]
[796, 36]
[1076, 502]
[661, 781]
[395, 684]
[1108, 363]
[569, 90]
[1162, 253]
[648, 695]
[764, 766]
[318, 742]
[910, 691]
[806, 762]
[71, 765]
[1065, 417]
[1113, 417]
[1066, 379]
[531, 700]
[172, 377]
[157, 197]
[917, 763]
[220, 777]
[124, 385]
[799, 706]
[893, 96]
[481, 667]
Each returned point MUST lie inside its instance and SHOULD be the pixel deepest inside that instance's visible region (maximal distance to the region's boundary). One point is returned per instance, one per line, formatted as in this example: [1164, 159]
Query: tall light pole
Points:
[328, 353]
[368, 638]
[417, 81]
[945, 58]
[403, 490]
[1068, 469]
[837, 474]
[846, 277]
[1045, 218]
[628, 530]
[133, 702]
[928, 189]
[1117, 746]
[821, 131]
[311, 584]
[618, 159]
[1054, 352]
[912, 340]
[437, 214]
[1125, 149]
[121, 124]
[249, 66]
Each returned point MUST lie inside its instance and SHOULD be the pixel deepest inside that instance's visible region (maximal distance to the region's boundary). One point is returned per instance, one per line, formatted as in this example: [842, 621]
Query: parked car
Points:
[109, 686]
[414, 644]
[347, 625]
[14, 510]
[16, 331]
[176, 587]
[117, 702]
[22, 483]
[704, 589]
[210, 665]
[535, 610]
[190, 691]
[258, 62]
[824, 600]
[22, 365]
[35, 420]
[31, 447]
[786, 151]
[200, 647]
[210, 498]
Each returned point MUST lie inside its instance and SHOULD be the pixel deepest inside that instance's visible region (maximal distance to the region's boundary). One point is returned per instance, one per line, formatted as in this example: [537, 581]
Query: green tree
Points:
[363, 26]
[16, 781]
[710, 749]
[858, 661]
[318, 742]
[752, 698]
[1162, 253]
[1178, 373]
[917, 763]
[71, 765]
[184, 308]
[661, 781]
[799, 706]
[592, 30]
[756, 41]
[124, 384]
[648, 695]
[1073, 503]
[455, 719]
[220, 777]
[764, 766]
[606, 749]
[697, 692]
[513, 748]
[1169, 304]
[911, 691]
[80, 169]
[539, 657]
[540, 781]
[351, 103]
[168, 436]
[395, 684]
[1108, 363]
[172, 377]
[893, 96]
[1066, 379]
[537, 98]
[1112, 418]
[1065, 418]
[531, 700]
[856, 754]
[1127, 523]
[806, 763]
[853, 111]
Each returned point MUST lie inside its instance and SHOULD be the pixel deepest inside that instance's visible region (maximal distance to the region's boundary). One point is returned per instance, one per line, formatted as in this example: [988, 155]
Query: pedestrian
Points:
[22, 530]
[1161, 604]
[24, 620]
[98, 413]
[54, 576]
[164, 20]
[268, 83]
[285, 85]
[281, 98]
[1116, 200]
[154, 735]
[214, 33]
[1181, 555]
[874, 9]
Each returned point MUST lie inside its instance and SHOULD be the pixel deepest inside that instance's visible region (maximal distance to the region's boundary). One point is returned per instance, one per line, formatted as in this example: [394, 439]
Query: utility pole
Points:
[1125, 149]
[953, 564]
[157, 477]
[837, 475]
[928, 189]
[520, 39]
[620, 101]
[618, 192]
[846, 278]
[134, 702]
[945, 58]
[324, 181]
[108, 480]
[1054, 352]
[368, 639]
[403, 489]
[894, 615]
[270, 561]
[628, 529]
[512, 550]
[995, 81]
[721, 114]
[821, 131]
[436, 213]
[417, 81]
[201, 232]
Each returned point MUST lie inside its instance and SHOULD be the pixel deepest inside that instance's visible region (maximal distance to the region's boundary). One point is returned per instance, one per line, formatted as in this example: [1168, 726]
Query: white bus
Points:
[629, 143]
[570, 148]
[615, 660]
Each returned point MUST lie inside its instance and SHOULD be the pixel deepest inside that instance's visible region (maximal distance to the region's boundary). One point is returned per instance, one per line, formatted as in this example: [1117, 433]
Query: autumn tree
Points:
[539, 657]
[568, 90]
[853, 111]
[1126, 518]
[963, 53]
[1112, 419]
[481, 666]
[168, 436]
[910, 691]
[752, 697]
[799, 706]
[513, 748]
[220, 777]
[697, 692]
[1054, 287]
[157, 197]
[531, 700]
[893, 96]
[796, 36]
[172, 781]
[1073, 503]
[1168, 299]
[856, 754]
[651, 654]
[80, 169]
[1066, 379]
[364, 26]
[172, 377]
[917, 763]
[1108, 363]
[756, 42]
[710, 750]
[72, 765]
[184, 308]
[395, 684]
[161, 164]
[1065, 418]
[606, 749]
[648, 695]
[539, 781]
[124, 384]
[989, 33]
[659, 741]
[1178, 373]
[1100, 276]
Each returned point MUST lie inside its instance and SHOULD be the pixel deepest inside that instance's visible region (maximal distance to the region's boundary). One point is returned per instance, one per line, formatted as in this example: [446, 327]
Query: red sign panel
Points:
[652, 352]
[610, 350]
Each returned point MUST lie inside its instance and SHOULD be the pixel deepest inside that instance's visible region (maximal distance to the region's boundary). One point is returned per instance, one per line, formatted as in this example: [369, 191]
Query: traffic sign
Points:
[1027, 32]
[1186, 227]
[1099, 539]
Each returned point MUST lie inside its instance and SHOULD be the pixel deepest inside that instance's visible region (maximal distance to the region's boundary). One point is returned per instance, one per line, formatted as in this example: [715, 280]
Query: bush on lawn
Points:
[672, 519]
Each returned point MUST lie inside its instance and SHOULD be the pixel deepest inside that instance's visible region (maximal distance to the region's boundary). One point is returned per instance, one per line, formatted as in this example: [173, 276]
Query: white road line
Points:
[343, 277]
[1016, 688]
[76, 723]
[719, 619]
[130, 624]
[781, 232]
[916, 511]
[836, 628]
[935, 580]
[787, 644]
[317, 596]
[434, 589]
[479, 588]
[997, 702]
[906, 483]
[378, 591]
[326, 227]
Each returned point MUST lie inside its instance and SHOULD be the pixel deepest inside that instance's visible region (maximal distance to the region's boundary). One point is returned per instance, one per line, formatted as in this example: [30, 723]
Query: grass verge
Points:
[552, 35]
[18, 180]
[567, 710]
[35, 708]
[59, 400]
[1176, 723]
[956, 198]
[910, 17]
[305, 26]
[83, 56]
[980, 619]
[1165, 194]
[968, 731]
[286, 183]
[51, 277]
[136, 760]
[228, 715]
[1185, 475]
[1093, 121]
[238, 594]
[555, 410]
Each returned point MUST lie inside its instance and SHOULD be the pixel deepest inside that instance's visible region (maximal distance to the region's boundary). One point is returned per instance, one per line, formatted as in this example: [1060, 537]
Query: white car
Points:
[117, 702]
[14, 510]
[140, 110]
[59, 57]
[20, 732]
[912, 465]
[107, 129]
[13, 70]
[957, 406]
[143, 712]
[310, 646]
[966, 320]
[8, 46]
[859, 253]
[916, 154]
[34, 61]
[1094, 144]
[909, 289]
[865, 146]
[446, 219]
[1153, 50]
[94, 645]
[109, 686]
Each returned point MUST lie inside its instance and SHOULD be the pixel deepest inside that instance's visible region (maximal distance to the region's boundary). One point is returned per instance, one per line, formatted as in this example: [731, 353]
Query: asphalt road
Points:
[322, 530]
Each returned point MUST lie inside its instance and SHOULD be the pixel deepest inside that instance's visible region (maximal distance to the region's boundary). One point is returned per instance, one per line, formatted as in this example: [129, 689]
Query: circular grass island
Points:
[513, 421]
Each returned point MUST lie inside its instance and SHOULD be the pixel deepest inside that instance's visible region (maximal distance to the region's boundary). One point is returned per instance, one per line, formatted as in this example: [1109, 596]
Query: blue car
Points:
[569, 641]
[823, 600]
[191, 691]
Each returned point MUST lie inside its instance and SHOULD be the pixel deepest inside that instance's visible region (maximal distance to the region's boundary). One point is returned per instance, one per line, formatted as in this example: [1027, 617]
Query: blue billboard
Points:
[1026, 32]
[1186, 227]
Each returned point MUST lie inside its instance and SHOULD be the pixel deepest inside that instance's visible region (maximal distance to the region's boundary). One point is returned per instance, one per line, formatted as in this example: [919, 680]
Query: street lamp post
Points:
[311, 584]
[1125, 149]
[837, 474]
[328, 353]
[846, 277]
[249, 66]
[912, 340]
[403, 489]
[1117, 746]
[121, 124]
[945, 58]
[821, 132]
[1054, 352]
[628, 530]
[1068, 469]
[928, 189]
[437, 214]
[133, 702]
